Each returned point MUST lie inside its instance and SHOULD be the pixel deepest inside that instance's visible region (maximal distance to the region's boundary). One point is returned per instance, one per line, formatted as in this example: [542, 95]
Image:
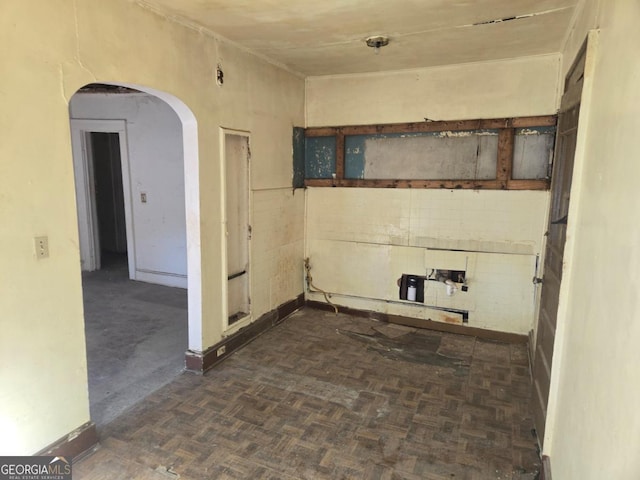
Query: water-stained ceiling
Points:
[323, 37]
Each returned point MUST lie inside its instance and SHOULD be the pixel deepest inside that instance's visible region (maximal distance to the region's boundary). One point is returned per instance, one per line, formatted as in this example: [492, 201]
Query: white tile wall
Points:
[361, 240]
[277, 248]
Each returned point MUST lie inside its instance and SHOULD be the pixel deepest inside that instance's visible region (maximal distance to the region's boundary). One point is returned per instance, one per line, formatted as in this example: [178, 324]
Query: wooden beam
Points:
[422, 127]
[505, 156]
[543, 121]
[340, 156]
[528, 185]
[504, 167]
[434, 184]
[446, 184]
[321, 132]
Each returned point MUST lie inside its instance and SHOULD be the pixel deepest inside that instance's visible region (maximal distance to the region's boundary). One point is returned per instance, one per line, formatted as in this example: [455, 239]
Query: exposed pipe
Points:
[312, 288]
[451, 286]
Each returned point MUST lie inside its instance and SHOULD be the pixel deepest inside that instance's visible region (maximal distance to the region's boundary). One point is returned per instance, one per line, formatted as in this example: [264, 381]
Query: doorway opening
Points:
[130, 154]
[101, 167]
[106, 165]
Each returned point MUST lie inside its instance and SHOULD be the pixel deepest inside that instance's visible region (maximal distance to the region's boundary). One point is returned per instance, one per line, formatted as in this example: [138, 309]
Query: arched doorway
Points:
[136, 170]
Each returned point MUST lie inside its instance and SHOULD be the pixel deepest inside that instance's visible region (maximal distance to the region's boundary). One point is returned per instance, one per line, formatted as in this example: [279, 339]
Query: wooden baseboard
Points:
[200, 362]
[426, 324]
[545, 474]
[82, 441]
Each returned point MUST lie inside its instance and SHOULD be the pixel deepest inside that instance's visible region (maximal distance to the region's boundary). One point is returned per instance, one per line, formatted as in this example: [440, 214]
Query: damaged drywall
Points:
[359, 252]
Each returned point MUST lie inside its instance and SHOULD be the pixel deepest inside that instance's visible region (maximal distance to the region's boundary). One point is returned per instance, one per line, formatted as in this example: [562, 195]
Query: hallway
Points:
[136, 337]
[322, 396]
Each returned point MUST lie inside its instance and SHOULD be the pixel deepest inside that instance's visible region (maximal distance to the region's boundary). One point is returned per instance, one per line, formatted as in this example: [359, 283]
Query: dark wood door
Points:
[556, 236]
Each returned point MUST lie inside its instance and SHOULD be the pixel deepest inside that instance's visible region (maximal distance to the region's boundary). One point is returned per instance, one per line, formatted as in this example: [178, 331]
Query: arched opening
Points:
[136, 170]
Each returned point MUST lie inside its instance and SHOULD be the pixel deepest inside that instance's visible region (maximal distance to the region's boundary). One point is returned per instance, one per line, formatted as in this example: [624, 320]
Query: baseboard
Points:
[545, 474]
[426, 324]
[200, 362]
[161, 278]
[82, 441]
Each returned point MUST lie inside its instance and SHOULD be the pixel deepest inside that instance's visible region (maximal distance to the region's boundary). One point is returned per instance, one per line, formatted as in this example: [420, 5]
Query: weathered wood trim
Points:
[443, 184]
[321, 132]
[504, 165]
[340, 156]
[200, 362]
[426, 324]
[505, 157]
[75, 445]
[424, 127]
[528, 184]
[526, 122]
[545, 474]
[432, 184]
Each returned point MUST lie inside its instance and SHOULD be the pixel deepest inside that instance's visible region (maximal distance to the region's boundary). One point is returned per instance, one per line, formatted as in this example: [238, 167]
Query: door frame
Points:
[226, 329]
[85, 190]
[591, 44]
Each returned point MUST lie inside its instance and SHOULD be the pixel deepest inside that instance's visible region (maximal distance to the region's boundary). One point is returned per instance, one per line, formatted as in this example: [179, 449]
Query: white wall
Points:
[156, 168]
[593, 427]
[361, 240]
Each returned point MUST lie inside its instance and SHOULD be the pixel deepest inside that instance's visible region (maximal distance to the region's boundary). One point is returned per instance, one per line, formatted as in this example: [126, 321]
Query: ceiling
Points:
[323, 37]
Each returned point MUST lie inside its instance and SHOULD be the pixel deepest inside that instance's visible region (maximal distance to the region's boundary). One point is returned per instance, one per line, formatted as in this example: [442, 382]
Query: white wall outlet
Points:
[221, 351]
[42, 247]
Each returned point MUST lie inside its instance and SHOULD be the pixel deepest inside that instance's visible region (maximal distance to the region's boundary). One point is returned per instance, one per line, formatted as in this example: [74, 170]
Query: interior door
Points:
[556, 236]
[238, 229]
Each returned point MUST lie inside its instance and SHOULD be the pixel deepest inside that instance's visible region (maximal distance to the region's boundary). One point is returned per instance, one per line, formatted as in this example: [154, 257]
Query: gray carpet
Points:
[136, 338]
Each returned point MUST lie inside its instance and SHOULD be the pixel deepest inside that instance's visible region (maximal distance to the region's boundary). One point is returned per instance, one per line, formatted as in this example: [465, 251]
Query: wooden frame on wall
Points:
[504, 167]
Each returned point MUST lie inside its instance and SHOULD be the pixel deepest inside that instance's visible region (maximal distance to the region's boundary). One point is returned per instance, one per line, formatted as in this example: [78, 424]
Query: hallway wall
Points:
[50, 50]
[156, 169]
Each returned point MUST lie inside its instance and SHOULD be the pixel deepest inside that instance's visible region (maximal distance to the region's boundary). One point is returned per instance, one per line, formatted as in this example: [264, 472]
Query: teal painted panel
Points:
[354, 147]
[298, 157]
[320, 157]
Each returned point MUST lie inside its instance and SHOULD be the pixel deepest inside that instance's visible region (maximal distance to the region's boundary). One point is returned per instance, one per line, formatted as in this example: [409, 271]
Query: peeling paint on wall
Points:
[320, 157]
[466, 155]
[533, 152]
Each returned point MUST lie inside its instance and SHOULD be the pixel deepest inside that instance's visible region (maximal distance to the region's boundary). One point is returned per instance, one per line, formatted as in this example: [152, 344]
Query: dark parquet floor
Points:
[324, 396]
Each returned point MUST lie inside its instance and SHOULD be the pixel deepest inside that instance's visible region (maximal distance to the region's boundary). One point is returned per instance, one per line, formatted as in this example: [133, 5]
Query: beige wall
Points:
[506, 88]
[361, 240]
[594, 422]
[586, 17]
[49, 50]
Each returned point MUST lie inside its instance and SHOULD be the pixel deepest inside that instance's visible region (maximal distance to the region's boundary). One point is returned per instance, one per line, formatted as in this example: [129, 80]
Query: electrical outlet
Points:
[42, 247]
[221, 351]
[143, 197]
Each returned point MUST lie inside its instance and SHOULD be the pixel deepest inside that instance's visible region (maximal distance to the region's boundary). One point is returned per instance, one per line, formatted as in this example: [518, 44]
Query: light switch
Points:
[143, 197]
